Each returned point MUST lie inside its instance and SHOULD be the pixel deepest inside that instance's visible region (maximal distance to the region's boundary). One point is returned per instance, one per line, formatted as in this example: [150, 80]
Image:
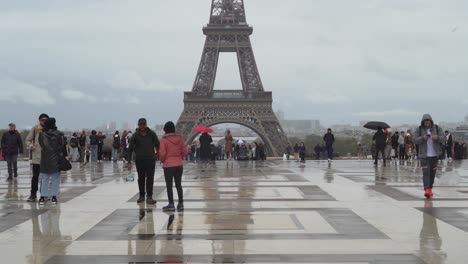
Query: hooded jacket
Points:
[172, 150]
[419, 133]
[51, 142]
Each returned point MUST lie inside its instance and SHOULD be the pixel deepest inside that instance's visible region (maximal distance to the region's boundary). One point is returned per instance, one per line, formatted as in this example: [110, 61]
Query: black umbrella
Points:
[375, 125]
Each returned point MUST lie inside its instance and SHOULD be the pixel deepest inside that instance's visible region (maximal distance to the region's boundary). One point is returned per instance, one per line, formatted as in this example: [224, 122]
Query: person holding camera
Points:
[428, 137]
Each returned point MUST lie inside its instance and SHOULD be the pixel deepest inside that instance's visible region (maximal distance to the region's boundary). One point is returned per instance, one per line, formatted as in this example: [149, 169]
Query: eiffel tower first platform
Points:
[250, 106]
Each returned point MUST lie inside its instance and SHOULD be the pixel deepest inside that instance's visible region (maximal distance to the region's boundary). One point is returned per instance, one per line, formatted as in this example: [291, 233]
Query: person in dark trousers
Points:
[93, 145]
[329, 139]
[317, 151]
[302, 152]
[116, 144]
[428, 136]
[51, 141]
[12, 145]
[32, 143]
[100, 145]
[75, 145]
[261, 151]
[205, 148]
[124, 145]
[83, 142]
[145, 143]
[380, 143]
[449, 144]
[172, 153]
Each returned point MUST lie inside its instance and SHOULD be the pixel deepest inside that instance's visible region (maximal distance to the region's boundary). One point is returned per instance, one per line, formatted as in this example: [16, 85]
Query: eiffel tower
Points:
[250, 106]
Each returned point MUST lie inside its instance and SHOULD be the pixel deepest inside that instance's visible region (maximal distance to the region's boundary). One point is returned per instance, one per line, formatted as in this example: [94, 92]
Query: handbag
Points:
[64, 164]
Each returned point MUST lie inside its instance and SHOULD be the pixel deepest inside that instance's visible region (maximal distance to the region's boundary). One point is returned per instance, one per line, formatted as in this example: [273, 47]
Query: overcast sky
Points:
[88, 62]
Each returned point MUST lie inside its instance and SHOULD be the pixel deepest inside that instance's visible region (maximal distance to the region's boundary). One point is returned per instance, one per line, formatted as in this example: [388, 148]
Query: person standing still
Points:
[100, 145]
[32, 143]
[83, 144]
[93, 145]
[12, 146]
[51, 141]
[124, 144]
[172, 154]
[380, 144]
[288, 151]
[145, 143]
[428, 137]
[116, 146]
[228, 145]
[449, 144]
[74, 144]
[296, 151]
[329, 139]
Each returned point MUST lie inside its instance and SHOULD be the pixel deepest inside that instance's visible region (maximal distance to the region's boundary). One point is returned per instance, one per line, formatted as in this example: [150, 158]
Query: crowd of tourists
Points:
[49, 150]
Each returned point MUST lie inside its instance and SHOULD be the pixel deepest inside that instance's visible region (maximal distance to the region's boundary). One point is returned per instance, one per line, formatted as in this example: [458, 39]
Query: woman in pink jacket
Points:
[172, 153]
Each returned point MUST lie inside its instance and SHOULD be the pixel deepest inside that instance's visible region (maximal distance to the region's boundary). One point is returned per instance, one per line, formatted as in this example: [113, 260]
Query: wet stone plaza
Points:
[242, 212]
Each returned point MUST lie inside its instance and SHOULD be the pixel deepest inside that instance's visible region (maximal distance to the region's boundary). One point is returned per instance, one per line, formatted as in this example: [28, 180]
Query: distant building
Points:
[300, 127]
[466, 120]
[461, 134]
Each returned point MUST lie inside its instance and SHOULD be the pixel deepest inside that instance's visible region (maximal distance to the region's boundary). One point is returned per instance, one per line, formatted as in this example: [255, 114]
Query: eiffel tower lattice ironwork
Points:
[228, 31]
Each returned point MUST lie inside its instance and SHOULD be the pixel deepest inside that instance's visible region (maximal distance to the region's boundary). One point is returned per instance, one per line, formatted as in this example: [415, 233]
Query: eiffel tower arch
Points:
[251, 106]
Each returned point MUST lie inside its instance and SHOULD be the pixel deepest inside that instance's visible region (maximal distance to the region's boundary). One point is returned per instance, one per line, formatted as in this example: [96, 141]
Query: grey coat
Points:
[419, 133]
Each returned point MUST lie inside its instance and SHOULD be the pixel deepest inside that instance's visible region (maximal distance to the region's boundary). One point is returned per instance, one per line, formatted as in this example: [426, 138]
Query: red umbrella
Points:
[202, 129]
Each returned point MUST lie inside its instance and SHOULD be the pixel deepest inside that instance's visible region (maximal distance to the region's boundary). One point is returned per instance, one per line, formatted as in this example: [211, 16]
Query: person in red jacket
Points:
[172, 153]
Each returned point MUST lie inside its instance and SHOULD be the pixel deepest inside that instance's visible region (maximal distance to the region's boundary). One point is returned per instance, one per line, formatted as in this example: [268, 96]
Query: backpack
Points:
[74, 142]
[116, 143]
[82, 141]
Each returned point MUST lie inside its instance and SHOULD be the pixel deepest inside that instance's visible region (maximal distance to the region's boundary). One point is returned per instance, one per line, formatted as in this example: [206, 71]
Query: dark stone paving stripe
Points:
[450, 215]
[14, 217]
[273, 258]
[118, 224]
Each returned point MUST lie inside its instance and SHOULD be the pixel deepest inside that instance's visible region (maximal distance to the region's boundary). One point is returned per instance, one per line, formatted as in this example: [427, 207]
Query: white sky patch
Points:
[77, 95]
[131, 99]
[386, 113]
[16, 91]
[132, 80]
[327, 98]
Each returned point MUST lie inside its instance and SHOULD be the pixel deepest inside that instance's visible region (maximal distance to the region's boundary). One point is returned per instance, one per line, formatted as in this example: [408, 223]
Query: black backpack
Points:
[93, 140]
[74, 142]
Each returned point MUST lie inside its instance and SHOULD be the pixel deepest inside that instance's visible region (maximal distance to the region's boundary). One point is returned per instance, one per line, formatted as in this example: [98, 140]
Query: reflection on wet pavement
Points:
[243, 212]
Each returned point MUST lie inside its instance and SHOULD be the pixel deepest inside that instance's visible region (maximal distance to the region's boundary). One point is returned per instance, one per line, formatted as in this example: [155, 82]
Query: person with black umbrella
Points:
[380, 144]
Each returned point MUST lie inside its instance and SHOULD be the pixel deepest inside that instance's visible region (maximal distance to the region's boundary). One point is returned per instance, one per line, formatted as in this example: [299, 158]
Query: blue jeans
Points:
[115, 154]
[45, 184]
[75, 154]
[12, 162]
[94, 154]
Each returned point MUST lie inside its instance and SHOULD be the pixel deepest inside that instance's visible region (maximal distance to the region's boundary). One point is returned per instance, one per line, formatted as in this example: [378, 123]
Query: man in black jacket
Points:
[329, 139]
[12, 145]
[449, 144]
[145, 143]
[380, 144]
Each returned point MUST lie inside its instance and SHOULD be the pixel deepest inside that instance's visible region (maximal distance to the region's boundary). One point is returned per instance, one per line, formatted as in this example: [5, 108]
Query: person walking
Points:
[388, 147]
[172, 153]
[93, 144]
[74, 144]
[32, 143]
[228, 146]
[449, 144]
[302, 152]
[51, 141]
[116, 146]
[83, 145]
[317, 151]
[12, 146]
[145, 143]
[380, 143]
[329, 139]
[124, 145]
[100, 145]
[428, 137]
[205, 148]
